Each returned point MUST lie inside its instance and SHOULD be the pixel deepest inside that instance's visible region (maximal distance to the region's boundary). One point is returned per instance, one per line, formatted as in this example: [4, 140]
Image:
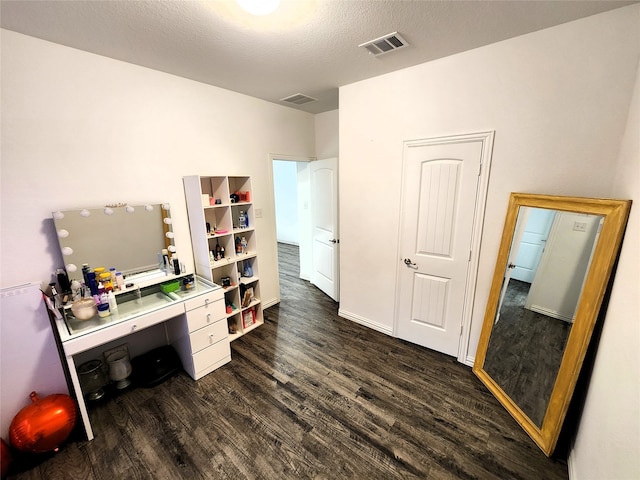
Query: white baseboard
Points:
[270, 303]
[287, 242]
[366, 322]
[571, 465]
[469, 361]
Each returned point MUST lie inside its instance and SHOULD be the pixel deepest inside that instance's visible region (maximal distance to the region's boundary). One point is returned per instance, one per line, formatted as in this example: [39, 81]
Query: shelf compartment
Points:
[240, 184]
[243, 265]
[236, 208]
[218, 219]
[215, 188]
[221, 274]
[248, 235]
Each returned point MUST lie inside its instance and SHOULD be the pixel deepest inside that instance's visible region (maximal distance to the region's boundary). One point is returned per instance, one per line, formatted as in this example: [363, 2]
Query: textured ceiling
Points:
[307, 46]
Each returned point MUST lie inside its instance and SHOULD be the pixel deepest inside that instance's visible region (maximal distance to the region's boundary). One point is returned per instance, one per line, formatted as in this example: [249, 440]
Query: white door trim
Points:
[478, 220]
[272, 199]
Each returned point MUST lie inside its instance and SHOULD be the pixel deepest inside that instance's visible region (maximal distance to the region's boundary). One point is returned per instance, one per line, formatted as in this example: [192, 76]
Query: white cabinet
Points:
[201, 341]
[194, 319]
[225, 246]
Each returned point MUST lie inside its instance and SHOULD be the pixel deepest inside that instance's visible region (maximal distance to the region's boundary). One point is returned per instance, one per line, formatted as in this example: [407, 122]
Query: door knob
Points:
[333, 240]
[511, 265]
[409, 263]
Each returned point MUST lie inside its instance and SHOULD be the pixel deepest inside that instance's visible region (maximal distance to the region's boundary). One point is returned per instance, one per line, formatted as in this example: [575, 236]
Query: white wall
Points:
[558, 101]
[326, 132]
[559, 279]
[83, 130]
[608, 438]
[285, 192]
[26, 366]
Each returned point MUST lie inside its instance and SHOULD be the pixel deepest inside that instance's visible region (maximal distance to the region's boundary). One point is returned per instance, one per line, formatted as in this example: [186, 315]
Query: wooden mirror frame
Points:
[615, 214]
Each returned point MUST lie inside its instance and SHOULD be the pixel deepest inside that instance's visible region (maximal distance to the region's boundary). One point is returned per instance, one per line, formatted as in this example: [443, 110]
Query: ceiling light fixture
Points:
[259, 7]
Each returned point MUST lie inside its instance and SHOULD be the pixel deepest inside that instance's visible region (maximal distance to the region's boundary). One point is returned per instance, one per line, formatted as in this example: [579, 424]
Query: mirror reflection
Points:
[549, 258]
[126, 237]
[553, 267]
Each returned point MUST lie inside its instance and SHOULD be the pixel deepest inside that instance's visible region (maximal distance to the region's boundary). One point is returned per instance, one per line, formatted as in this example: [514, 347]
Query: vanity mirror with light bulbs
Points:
[127, 237]
[188, 310]
[554, 266]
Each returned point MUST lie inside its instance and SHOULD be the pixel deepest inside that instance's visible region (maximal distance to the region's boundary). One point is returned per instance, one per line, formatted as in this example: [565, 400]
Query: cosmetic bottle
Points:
[63, 281]
[113, 304]
[54, 294]
[120, 281]
[165, 257]
[85, 270]
[76, 290]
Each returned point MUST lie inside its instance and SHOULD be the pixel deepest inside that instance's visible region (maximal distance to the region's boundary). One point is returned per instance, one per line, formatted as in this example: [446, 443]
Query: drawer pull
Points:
[133, 327]
[211, 338]
[208, 318]
[206, 302]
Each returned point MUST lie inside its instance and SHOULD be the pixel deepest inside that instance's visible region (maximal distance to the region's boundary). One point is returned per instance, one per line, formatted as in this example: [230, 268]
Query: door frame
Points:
[272, 198]
[487, 139]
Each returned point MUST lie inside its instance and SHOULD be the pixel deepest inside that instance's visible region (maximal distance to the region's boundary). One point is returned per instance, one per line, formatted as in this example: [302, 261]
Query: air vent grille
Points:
[385, 44]
[298, 99]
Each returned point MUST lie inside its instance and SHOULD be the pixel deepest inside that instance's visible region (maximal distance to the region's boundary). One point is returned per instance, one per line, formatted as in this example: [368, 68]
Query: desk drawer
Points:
[211, 355]
[207, 336]
[203, 316]
[205, 301]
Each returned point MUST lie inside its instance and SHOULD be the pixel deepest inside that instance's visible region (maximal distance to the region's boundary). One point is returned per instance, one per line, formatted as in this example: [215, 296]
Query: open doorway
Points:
[305, 195]
[291, 197]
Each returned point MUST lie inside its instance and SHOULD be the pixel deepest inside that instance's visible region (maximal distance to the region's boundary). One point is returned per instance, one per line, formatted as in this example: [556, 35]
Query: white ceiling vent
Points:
[298, 99]
[385, 44]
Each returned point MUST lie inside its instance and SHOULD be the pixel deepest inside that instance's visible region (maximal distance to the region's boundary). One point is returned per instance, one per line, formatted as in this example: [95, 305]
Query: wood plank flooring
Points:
[525, 351]
[308, 395]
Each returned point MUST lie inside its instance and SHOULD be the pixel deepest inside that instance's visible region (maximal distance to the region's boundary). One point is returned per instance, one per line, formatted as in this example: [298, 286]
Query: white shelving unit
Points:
[214, 223]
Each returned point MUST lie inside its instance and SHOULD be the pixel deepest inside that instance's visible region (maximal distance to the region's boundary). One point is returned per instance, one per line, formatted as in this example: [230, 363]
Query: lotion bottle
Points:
[113, 304]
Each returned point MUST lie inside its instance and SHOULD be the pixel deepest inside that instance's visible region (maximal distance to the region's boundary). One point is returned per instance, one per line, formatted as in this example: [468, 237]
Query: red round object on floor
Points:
[43, 425]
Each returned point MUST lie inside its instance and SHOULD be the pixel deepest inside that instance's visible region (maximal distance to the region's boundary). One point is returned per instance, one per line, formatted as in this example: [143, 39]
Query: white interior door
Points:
[440, 185]
[324, 224]
[532, 244]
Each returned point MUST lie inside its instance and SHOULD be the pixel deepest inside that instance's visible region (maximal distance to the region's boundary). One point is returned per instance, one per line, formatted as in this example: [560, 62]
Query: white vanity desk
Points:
[195, 325]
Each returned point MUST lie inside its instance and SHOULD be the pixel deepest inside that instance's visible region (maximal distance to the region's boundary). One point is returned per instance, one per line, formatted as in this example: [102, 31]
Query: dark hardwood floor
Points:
[525, 351]
[313, 396]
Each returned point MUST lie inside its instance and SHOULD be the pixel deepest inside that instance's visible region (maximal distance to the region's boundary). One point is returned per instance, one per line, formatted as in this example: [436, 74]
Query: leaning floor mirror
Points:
[554, 265]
